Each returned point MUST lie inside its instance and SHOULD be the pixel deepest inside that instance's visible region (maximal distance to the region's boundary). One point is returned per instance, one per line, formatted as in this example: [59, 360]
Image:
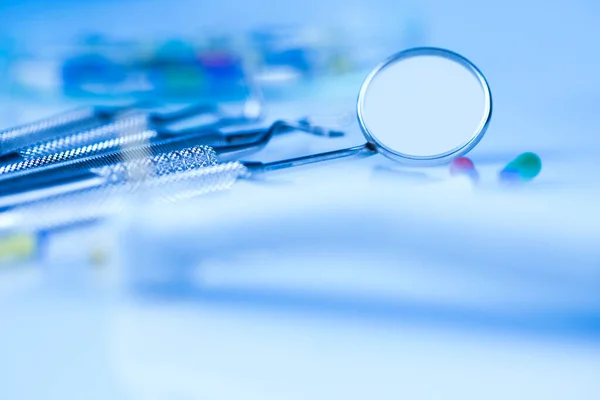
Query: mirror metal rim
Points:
[438, 158]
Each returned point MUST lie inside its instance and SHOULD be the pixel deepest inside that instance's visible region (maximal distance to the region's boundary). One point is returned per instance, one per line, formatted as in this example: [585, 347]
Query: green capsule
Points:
[526, 166]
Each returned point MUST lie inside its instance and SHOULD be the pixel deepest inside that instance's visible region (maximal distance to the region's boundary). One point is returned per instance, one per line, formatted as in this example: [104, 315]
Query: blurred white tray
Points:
[371, 230]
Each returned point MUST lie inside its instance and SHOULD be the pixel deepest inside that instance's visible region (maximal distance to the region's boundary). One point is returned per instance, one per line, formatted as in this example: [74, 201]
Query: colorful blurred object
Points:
[464, 166]
[286, 62]
[173, 68]
[522, 169]
[16, 248]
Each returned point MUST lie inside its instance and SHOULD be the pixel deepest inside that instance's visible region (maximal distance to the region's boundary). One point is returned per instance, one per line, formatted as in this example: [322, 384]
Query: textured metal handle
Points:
[167, 163]
[79, 152]
[136, 170]
[119, 129]
[24, 135]
[93, 204]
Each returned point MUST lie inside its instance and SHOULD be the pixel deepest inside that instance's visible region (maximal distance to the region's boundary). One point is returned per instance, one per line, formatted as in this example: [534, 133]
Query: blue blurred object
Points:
[96, 67]
[90, 69]
[279, 48]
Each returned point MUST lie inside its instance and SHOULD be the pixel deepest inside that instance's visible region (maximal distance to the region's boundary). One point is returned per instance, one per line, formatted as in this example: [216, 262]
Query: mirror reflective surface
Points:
[426, 105]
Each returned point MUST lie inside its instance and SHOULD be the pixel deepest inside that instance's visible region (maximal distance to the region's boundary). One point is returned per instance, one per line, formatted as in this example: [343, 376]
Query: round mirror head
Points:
[424, 106]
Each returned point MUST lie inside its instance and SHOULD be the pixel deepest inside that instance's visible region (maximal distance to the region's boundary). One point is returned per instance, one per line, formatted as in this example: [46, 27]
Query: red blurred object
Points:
[463, 166]
[460, 165]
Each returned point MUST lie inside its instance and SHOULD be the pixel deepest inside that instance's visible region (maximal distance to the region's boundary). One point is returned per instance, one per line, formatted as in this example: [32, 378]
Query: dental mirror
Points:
[423, 106]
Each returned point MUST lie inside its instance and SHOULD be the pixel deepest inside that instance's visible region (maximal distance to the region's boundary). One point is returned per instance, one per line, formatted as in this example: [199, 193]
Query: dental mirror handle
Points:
[364, 150]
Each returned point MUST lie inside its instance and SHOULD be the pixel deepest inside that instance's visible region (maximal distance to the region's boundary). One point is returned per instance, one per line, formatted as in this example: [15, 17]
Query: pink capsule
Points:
[464, 166]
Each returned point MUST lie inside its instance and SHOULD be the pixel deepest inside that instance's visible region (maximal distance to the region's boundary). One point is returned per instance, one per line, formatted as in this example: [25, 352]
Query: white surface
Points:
[72, 348]
[208, 353]
[361, 229]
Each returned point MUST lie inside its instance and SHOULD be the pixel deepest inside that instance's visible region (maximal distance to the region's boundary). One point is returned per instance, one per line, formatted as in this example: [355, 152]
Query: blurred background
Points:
[341, 281]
